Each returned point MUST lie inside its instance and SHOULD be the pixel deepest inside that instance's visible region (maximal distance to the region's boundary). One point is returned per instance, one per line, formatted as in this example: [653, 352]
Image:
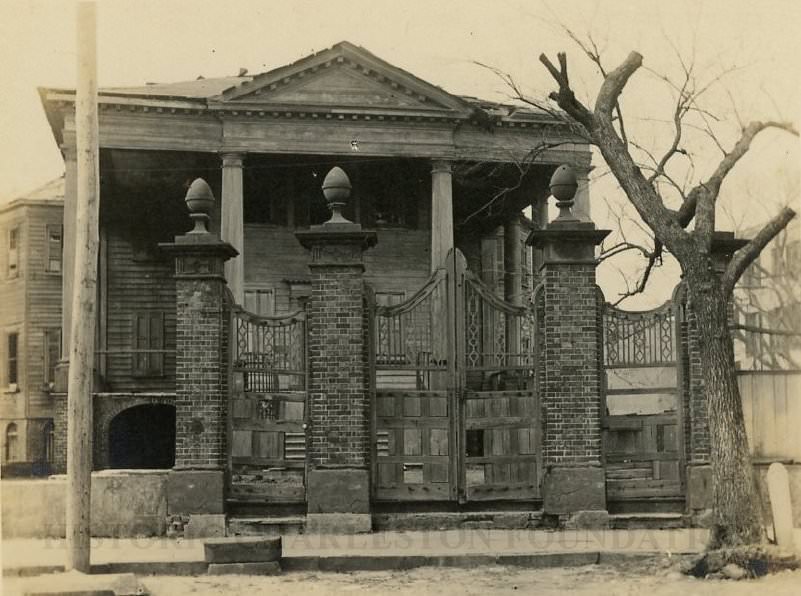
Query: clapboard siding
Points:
[42, 303]
[136, 286]
[399, 262]
[772, 411]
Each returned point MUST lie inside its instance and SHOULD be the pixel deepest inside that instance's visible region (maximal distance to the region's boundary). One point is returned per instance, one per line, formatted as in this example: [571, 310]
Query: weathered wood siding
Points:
[12, 309]
[772, 410]
[398, 263]
[136, 286]
[42, 306]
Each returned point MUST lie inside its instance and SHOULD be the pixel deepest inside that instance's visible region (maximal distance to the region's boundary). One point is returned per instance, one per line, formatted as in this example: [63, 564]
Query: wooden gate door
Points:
[267, 411]
[456, 411]
[498, 415]
[643, 440]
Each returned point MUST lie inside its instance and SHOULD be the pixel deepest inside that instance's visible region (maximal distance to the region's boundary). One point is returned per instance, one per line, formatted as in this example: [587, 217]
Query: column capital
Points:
[441, 166]
[69, 152]
[232, 159]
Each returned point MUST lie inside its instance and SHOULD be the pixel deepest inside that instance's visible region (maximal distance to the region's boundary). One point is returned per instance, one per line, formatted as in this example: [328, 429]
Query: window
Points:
[11, 442]
[793, 255]
[259, 302]
[752, 319]
[54, 247]
[52, 354]
[48, 440]
[148, 344]
[13, 252]
[13, 355]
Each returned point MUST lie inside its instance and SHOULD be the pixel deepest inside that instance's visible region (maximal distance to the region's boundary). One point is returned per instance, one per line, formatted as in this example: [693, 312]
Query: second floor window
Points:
[13, 354]
[13, 252]
[52, 353]
[148, 344]
[54, 247]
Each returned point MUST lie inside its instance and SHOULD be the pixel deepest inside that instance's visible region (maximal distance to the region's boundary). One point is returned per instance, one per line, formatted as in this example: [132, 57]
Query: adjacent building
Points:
[768, 305]
[30, 324]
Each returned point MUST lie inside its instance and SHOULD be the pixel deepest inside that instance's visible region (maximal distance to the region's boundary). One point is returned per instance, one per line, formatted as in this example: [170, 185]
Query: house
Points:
[768, 305]
[429, 170]
[30, 324]
[424, 346]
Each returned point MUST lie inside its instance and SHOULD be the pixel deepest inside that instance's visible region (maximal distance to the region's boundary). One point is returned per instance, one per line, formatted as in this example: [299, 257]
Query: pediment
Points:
[344, 76]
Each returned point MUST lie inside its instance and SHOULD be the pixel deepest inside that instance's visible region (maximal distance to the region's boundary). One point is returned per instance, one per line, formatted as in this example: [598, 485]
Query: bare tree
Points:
[647, 186]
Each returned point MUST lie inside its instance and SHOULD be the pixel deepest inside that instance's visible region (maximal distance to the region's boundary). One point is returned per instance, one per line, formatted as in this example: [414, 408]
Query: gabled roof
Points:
[348, 73]
[342, 76]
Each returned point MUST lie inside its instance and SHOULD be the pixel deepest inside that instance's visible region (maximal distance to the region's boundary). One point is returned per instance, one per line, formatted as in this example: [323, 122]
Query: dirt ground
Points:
[592, 579]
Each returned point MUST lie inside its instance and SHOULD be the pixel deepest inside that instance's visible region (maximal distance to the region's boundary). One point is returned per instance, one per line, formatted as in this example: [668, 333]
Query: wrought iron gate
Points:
[266, 421]
[643, 438]
[456, 413]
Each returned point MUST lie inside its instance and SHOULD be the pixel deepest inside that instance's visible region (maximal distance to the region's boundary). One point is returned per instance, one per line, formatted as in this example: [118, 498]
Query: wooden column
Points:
[512, 278]
[582, 205]
[441, 213]
[512, 265]
[539, 217]
[68, 251]
[233, 222]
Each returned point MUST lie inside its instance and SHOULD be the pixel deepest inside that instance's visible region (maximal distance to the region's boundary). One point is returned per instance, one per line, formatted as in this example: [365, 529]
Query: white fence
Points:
[772, 410]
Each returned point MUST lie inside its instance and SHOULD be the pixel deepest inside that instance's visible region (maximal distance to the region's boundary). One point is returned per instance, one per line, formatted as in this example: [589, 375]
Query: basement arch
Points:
[142, 437]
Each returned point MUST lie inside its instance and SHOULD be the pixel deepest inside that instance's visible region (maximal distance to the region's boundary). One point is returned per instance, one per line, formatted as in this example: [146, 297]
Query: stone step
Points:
[266, 526]
[269, 568]
[497, 520]
[649, 521]
[242, 549]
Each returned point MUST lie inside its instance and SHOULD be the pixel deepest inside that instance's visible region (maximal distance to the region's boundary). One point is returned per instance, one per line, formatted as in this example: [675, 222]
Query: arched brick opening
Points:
[142, 437]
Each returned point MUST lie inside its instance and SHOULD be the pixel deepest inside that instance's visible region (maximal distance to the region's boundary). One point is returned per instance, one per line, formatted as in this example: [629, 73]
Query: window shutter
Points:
[156, 343]
[148, 334]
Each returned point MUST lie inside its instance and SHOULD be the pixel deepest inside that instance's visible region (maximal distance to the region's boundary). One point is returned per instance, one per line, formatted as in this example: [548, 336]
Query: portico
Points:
[429, 175]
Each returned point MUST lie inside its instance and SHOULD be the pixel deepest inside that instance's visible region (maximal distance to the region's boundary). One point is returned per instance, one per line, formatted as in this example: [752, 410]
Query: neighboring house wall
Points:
[768, 298]
[30, 321]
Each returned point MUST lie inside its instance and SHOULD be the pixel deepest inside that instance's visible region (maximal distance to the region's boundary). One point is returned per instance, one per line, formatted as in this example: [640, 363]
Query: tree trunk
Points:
[737, 503]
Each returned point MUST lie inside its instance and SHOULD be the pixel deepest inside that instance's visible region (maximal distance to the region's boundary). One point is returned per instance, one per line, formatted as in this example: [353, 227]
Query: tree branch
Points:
[713, 183]
[748, 253]
[565, 98]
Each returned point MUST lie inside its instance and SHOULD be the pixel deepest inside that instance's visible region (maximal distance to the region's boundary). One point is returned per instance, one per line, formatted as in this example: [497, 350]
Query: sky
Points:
[752, 47]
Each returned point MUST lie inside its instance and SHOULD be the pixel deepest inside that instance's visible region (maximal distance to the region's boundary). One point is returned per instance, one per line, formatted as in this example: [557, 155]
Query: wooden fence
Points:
[772, 410]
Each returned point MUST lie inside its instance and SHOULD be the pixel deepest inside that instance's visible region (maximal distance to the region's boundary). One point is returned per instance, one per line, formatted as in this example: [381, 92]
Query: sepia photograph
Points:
[400, 297]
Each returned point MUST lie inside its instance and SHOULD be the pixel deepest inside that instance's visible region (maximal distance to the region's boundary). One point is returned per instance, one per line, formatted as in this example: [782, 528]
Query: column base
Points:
[338, 523]
[195, 491]
[338, 491]
[699, 487]
[573, 489]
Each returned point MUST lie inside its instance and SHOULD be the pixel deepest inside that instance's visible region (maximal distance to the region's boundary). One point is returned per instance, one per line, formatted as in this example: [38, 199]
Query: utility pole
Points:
[79, 389]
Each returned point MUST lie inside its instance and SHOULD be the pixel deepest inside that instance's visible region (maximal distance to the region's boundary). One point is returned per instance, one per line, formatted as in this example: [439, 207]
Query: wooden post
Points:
[79, 391]
[513, 282]
[233, 227]
[441, 213]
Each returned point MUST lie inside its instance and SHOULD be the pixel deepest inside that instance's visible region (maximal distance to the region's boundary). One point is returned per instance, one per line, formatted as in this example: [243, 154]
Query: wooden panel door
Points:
[267, 446]
[499, 409]
[456, 414]
[413, 422]
[642, 431]
[267, 411]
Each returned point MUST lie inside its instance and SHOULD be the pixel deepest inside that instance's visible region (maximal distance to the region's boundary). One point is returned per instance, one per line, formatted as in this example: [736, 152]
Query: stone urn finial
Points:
[200, 201]
[336, 190]
[563, 188]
